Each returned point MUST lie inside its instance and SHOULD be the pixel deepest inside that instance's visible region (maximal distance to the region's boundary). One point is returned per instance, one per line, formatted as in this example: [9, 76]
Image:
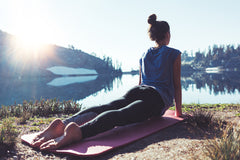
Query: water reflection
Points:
[64, 81]
[218, 83]
[95, 89]
[63, 88]
[197, 88]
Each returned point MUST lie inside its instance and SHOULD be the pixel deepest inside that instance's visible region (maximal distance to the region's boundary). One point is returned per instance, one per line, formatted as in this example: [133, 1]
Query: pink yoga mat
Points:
[116, 137]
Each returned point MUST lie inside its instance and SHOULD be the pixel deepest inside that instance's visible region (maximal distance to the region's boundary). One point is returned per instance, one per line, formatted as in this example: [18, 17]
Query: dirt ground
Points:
[179, 142]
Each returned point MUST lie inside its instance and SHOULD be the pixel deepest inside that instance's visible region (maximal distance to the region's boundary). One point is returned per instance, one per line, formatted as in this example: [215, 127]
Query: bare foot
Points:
[54, 130]
[72, 133]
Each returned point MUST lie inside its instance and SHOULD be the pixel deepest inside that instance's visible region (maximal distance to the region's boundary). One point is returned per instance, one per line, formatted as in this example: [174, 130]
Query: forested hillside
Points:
[16, 60]
[225, 56]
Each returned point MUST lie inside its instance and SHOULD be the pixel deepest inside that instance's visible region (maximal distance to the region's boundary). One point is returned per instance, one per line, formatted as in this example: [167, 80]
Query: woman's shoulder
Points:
[163, 49]
[173, 50]
[149, 50]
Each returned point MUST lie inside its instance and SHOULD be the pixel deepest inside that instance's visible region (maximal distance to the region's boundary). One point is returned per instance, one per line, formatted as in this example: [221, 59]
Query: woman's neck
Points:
[160, 44]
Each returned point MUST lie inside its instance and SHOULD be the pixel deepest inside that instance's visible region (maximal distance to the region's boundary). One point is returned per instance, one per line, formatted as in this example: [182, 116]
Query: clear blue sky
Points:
[119, 28]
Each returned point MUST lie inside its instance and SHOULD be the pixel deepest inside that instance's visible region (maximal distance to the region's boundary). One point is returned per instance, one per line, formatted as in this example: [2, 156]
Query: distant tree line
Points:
[103, 65]
[226, 56]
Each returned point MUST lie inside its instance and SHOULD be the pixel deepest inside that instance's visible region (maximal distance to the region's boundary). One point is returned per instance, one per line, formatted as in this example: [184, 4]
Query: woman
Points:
[159, 84]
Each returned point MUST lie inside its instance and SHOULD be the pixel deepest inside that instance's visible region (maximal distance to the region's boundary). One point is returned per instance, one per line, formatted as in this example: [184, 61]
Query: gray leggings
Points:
[138, 104]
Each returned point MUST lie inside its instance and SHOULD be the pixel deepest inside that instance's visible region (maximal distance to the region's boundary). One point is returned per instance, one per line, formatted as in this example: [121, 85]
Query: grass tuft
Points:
[42, 108]
[8, 135]
[205, 124]
[227, 147]
[201, 119]
[223, 139]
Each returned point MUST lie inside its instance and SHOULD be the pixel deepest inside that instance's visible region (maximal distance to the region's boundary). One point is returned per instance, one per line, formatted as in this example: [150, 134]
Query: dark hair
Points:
[158, 29]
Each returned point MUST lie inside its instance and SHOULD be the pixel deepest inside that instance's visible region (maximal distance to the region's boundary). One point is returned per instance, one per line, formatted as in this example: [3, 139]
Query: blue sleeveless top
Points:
[157, 70]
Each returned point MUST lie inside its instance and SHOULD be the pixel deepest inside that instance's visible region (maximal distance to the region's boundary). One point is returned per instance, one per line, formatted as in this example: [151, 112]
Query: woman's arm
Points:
[140, 75]
[177, 85]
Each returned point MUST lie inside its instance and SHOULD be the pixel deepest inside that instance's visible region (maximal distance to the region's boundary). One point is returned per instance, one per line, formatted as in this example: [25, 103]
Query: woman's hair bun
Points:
[152, 19]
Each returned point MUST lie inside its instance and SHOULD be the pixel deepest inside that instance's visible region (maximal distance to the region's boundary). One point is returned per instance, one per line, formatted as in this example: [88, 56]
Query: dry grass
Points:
[223, 138]
[8, 135]
[227, 147]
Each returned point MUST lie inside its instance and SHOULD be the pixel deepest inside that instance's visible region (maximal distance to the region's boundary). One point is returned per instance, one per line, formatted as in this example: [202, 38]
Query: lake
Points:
[99, 89]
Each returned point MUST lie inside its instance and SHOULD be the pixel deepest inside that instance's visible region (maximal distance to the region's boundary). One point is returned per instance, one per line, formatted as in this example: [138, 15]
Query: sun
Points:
[31, 24]
[32, 29]
[29, 43]
[31, 39]
[32, 32]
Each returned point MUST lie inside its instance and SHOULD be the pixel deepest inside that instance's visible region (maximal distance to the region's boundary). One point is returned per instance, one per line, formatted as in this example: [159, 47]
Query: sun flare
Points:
[29, 43]
[29, 50]
[29, 40]
[33, 32]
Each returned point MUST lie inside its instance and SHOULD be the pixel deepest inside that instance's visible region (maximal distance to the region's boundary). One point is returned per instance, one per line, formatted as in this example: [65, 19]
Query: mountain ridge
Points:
[20, 62]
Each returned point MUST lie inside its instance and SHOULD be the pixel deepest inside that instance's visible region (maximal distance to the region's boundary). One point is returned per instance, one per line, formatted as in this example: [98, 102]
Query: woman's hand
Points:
[184, 116]
[178, 114]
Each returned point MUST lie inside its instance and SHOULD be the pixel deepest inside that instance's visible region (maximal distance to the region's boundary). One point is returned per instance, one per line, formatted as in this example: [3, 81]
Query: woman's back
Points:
[157, 71]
